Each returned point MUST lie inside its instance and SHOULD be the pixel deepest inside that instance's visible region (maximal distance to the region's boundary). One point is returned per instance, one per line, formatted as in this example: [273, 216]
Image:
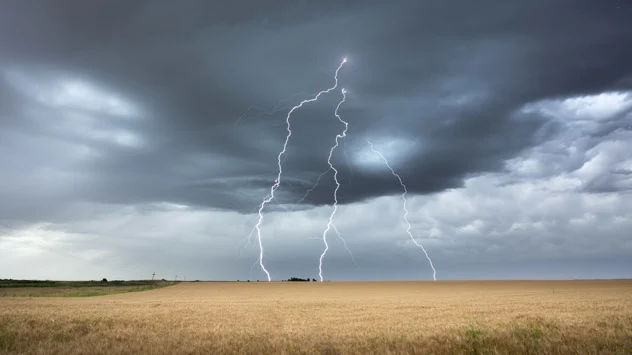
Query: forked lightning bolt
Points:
[344, 242]
[408, 226]
[277, 108]
[330, 224]
[313, 187]
[277, 182]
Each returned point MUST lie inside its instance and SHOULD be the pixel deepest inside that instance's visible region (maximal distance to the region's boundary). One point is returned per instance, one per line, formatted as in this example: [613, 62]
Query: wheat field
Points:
[445, 317]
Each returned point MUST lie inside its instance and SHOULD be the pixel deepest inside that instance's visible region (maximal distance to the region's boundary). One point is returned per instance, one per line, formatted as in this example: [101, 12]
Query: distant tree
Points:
[297, 279]
[248, 281]
[314, 280]
[104, 280]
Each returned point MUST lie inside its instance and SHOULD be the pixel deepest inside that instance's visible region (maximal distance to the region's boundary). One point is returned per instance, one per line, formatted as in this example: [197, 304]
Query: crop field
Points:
[445, 317]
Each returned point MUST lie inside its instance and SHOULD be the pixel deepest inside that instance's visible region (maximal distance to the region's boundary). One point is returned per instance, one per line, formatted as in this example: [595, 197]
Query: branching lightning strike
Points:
[277, 182]
[280, 106]
[313, 186]
[330, 224]
[408, 226]
[344, 242]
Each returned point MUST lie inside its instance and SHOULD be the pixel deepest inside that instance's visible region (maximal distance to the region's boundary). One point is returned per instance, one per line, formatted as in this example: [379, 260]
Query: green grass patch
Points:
[83, 289]
[114, 291]
[10, 283]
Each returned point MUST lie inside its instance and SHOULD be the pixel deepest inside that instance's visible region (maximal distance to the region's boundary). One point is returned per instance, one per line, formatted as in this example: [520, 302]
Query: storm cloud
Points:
[173, 114]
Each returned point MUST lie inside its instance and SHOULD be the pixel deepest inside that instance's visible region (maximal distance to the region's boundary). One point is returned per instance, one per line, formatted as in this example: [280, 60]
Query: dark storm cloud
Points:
[450, 75]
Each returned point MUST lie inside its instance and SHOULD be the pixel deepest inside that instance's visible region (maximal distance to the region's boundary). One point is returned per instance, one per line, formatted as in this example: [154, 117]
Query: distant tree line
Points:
[299, 279]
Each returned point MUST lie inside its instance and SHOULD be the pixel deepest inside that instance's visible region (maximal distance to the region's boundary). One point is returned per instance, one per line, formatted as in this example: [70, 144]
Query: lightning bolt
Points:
[408, 226]
[277, 181]
[313, 187]
[344, 244]
[280, 106]
[330, 224]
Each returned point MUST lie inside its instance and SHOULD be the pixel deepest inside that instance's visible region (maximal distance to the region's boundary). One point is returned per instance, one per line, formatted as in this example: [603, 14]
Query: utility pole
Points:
[176, 277]
[152, 276]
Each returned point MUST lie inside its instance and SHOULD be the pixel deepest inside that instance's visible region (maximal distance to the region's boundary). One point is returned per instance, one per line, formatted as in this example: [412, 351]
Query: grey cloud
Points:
[193, 78]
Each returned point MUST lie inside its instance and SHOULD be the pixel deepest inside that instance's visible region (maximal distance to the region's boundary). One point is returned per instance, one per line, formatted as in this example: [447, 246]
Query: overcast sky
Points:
[140, 137]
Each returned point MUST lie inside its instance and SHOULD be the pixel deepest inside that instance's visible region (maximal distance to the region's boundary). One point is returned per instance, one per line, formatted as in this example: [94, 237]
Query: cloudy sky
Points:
[140, 137]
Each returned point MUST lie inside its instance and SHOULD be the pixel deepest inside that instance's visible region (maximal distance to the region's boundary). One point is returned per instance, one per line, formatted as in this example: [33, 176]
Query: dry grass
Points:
[500, 317]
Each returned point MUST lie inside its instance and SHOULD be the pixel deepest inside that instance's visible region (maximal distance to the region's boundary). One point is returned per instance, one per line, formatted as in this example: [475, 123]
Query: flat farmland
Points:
[445, 317]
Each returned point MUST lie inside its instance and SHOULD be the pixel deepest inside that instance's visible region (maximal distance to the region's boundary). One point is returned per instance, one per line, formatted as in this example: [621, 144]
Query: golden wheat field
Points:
[445, 317]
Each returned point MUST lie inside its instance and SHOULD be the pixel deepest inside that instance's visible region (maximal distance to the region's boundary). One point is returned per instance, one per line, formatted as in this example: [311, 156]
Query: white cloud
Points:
[584, 110]
[395, 150]
[70, 93]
